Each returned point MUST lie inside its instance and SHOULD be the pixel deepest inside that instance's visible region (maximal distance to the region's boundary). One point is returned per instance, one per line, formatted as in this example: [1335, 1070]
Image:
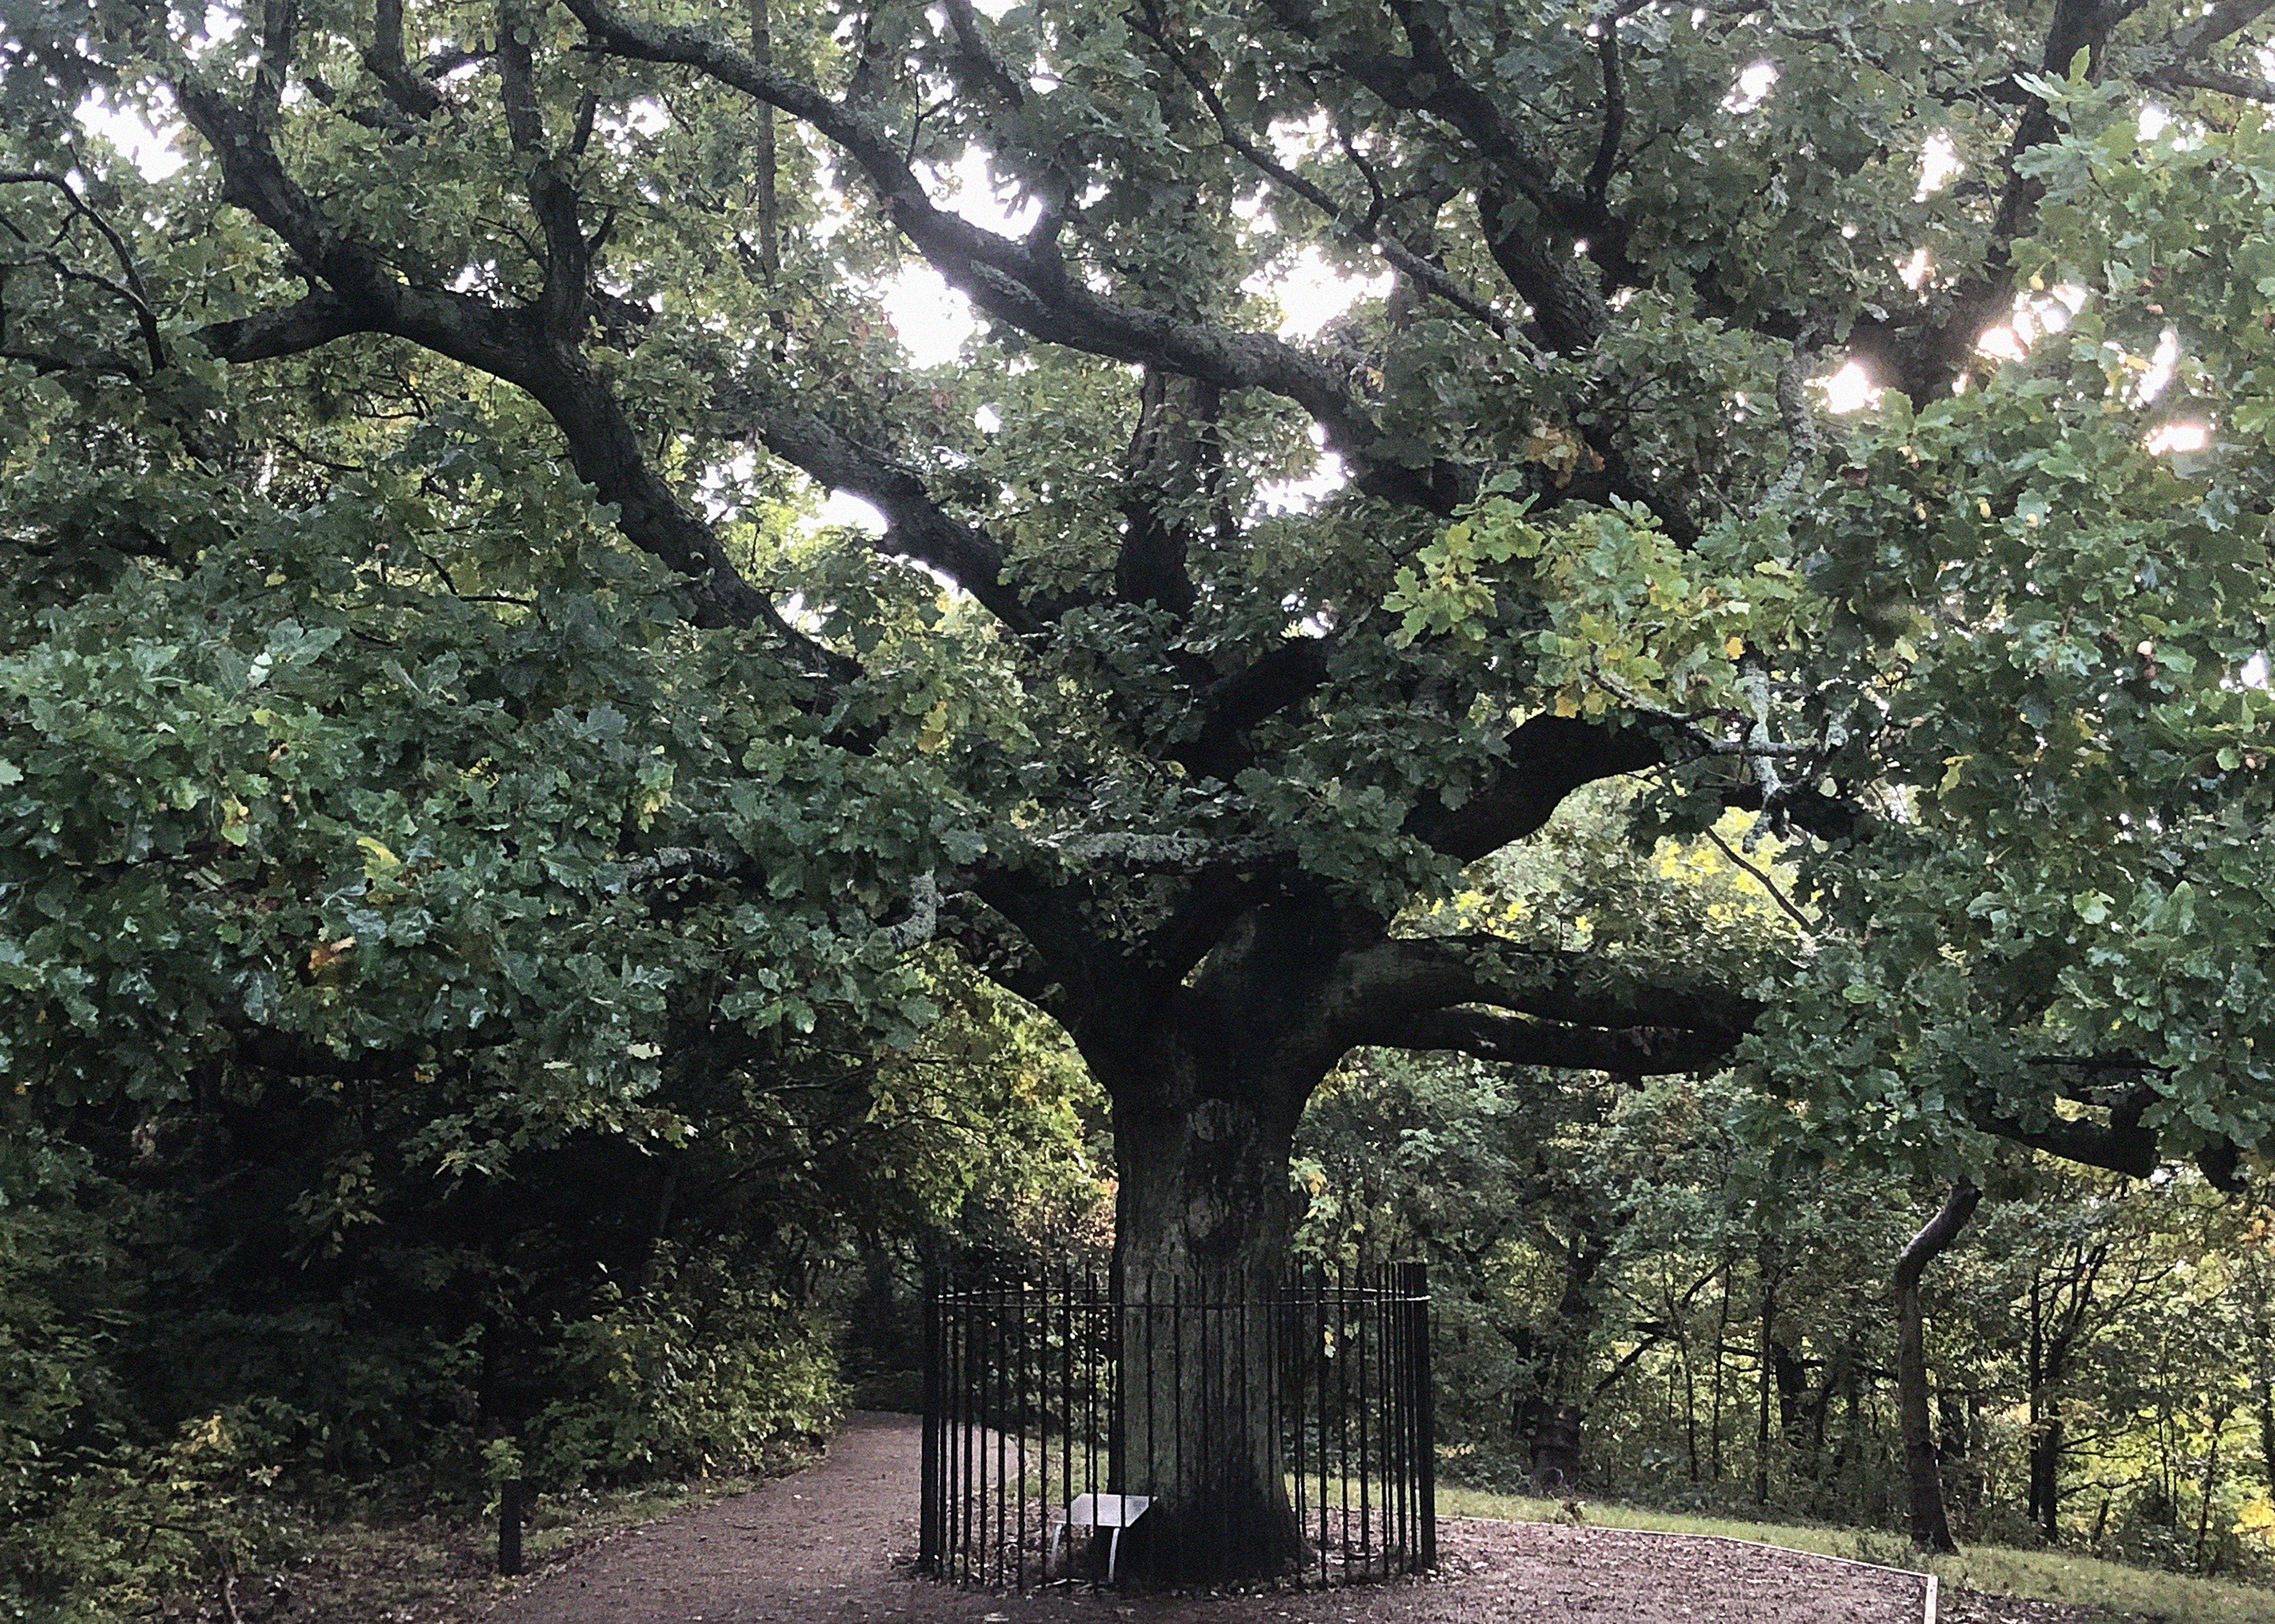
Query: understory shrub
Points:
[699, 1374]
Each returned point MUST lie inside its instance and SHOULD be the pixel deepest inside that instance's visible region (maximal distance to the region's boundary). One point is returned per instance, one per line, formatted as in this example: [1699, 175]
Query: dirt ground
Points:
[833, 1546]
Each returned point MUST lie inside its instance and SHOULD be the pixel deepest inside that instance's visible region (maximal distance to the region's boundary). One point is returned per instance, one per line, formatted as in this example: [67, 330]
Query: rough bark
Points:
[1931, 1527]
[1201, 1232]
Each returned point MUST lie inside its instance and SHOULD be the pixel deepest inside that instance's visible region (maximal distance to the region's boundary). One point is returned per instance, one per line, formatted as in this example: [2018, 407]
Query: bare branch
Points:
[1547, 758]
[1786, 904]
[131, 288]
[2223, 19]
[416, 98]
[2218, 80]
[1408, 992]
[1024, 284]
[973, 47]
[280, 28]
[1425, 273]
[918, 527]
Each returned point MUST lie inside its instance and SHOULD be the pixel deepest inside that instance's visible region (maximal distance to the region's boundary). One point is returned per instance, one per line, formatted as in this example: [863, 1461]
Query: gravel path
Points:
[832, 1544]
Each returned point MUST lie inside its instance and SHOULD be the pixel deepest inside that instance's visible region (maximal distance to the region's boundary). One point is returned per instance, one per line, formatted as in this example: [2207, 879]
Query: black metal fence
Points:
[1059, 1416]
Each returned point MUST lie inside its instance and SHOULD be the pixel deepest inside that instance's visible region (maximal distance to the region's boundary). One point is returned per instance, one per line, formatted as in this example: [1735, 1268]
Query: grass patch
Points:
[2112, 1590]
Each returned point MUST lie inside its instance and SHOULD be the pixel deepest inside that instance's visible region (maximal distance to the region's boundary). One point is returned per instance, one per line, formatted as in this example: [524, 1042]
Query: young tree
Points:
[1222, 645]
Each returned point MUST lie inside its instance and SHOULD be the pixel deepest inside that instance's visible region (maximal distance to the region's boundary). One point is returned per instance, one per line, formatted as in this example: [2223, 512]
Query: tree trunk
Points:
[1721, 1337]
[2059, 1305]
[2219, 1416]
[2264, 1384]
[1771, 1268]
[1552, 1413]
[1202, 1217]
[1930, 1527]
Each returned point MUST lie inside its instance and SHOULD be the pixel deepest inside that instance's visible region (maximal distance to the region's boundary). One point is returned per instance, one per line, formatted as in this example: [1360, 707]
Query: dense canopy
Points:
[1845, 428]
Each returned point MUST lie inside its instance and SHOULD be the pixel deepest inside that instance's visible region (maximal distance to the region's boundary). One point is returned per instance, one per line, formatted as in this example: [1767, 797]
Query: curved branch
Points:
[416, 98]
[131, 291]
[2123, 1144]
[1548, 757]
[361, 292]
[309, 323]
[1423, 273]
[918, 526]
[1598, 185]
[2185, 77]
[2222, 20]
[1025, 285]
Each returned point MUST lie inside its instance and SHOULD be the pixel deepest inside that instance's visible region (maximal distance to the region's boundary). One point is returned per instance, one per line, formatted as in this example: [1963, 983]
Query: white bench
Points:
[1097, 1511]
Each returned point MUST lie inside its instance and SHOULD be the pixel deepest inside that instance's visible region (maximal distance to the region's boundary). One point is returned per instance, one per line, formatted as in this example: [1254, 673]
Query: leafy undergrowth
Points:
[2113, 1590]
[430, 1569]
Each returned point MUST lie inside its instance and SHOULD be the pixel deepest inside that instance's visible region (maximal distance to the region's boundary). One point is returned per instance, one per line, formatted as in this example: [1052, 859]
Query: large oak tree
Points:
[1205, 657]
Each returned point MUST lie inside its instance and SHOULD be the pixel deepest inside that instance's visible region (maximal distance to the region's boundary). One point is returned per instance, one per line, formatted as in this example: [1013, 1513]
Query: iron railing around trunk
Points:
[1044, 1387]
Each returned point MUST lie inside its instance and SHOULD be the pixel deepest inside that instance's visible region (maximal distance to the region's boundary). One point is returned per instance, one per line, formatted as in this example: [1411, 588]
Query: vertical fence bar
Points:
[928, 1443]
[1342, 1389]
[1065, 1496]
[1323, 1348]
[1425, 1414]
[950, 1406]
[1183, 1418]
[1394, 1329]
[974, 1377]
[1359, 1313]
[1105, 1391]
[1388, 1429]
[1019, 1455]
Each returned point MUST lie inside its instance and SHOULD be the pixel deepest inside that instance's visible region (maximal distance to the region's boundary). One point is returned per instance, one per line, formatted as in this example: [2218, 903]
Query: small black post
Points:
[513, 1515]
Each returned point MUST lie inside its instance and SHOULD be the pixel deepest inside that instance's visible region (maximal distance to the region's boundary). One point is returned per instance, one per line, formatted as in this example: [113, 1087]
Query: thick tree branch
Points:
[1531, 216]
[918, 526]
[1387, 992]
[416, 98]
[1923, 359]
[2222, 20]
[1547, 758]
[2218, 80]
[309, 323]
[361, 292]
[1516, 1040]
[1279, 679]
[976, 53]
[1599, 183]
[2122, 1143]
[562, 305]
[1174, 456]
[1938, 1233]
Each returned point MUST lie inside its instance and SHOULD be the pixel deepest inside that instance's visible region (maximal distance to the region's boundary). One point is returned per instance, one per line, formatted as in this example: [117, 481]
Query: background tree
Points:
[1184, 759]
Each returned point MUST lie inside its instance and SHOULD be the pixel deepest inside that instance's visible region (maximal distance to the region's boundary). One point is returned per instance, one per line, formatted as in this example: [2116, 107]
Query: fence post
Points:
[929, 1486]
[1425, 1412]
[513, 1515]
